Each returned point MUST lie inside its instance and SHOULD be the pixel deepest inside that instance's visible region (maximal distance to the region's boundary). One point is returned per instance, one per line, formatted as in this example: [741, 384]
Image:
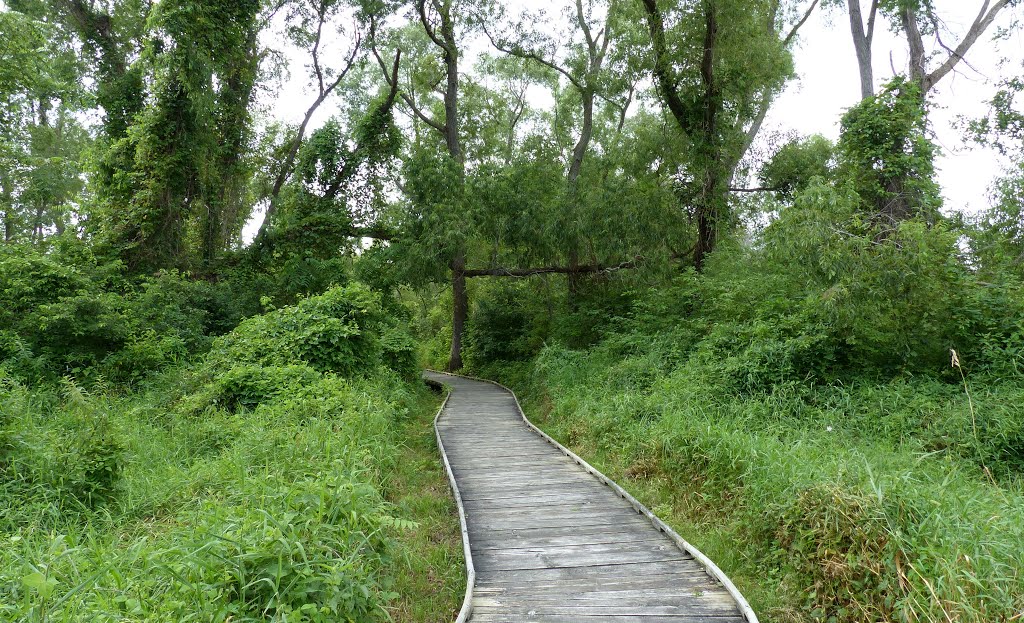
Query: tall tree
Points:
[584, 73]
[717, 65]
[911, 15]
[916, 20]
[187, 146]
[308, 21]
[438, 19]
[41, 137]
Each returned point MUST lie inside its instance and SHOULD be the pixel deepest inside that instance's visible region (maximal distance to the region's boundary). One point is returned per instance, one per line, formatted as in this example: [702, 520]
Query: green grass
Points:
[860, 502]
[432, 584]
[327, 504]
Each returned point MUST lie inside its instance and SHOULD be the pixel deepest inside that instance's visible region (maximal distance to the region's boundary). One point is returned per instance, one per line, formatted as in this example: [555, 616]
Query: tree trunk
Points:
[908, 16]
[460, 311]
[573, 278]
[710, 203]
[862, 37]
[712, 169]
[450, 55]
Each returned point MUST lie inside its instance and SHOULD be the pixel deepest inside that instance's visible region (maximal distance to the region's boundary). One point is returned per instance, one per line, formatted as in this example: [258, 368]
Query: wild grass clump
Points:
[256, 488]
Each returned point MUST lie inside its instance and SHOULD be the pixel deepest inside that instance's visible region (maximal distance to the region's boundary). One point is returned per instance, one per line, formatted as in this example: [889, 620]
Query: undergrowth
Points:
[863, 501]
[299, 485]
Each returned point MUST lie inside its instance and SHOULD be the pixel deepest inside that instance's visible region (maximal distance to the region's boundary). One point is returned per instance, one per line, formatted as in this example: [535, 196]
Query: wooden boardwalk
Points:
[552, 542]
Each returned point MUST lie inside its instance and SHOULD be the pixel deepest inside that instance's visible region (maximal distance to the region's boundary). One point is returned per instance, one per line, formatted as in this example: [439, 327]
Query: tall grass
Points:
[289, 475]
[859, 502]
[288, 512]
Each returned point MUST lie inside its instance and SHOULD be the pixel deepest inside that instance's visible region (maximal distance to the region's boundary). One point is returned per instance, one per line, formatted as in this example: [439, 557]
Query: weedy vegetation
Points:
[288, 474]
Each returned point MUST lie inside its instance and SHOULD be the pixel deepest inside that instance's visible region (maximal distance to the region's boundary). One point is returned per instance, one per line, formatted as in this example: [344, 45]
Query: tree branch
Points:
[942, 44]
[796, 27]
[421, 6]
[591, 44]
[392, 79]
[662, 71]
[549, 270]
[348, 168]
[981, 23]
[316, 51]
[520, 52]
[287, 166]
[759, 189]
[872, 18]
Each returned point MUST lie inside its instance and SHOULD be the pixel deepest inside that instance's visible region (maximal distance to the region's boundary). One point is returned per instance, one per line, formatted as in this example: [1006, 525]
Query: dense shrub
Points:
[248, 386]
[29, 279]
[502, 328]
[249, 489]
[80, 319]
[340, 331]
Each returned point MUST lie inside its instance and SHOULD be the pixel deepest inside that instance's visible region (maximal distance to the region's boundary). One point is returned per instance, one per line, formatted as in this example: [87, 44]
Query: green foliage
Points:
[884, 151]
[1003, 127]
[42, 137]
[69, 314]
[337, 187]
[796, 164]
[824, 502]
[28, 280]
[187, 147]
[829, 260]
[503, 328]
[339, 332]
[268, 505]
[248, 386]
[996, 235]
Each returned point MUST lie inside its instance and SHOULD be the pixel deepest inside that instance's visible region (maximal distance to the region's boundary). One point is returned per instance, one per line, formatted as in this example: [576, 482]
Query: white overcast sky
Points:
[827, 84]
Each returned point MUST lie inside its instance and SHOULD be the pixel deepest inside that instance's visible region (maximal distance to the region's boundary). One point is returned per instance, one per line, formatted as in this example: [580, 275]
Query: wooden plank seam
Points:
[709, 566]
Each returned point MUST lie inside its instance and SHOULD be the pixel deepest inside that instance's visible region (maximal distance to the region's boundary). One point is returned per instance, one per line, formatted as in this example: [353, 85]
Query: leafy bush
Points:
[66, 319]
[399, 351]
[248, 386]
[339, 331]
[131, 507]
[501, 328]
[795, 164]
[94, 464]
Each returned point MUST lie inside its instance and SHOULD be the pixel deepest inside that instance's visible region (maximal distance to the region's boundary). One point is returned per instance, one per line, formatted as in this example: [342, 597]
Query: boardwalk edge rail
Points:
[467, 601]
[709, 566]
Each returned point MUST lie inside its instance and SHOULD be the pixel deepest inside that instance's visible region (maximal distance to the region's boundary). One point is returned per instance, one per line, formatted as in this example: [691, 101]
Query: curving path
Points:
[552, 542]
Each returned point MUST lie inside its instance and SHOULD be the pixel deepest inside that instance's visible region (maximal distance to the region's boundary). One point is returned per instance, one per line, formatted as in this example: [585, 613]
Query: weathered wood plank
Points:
[550, 542]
